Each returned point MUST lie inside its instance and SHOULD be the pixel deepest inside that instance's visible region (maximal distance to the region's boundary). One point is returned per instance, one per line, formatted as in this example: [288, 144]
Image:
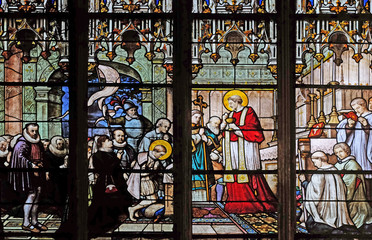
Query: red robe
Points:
[251, 129]
[256, 195]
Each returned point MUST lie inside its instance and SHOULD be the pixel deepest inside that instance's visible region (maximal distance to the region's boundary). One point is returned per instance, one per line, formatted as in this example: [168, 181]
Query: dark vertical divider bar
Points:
[181, 122]
[78, 118]
[286, 151]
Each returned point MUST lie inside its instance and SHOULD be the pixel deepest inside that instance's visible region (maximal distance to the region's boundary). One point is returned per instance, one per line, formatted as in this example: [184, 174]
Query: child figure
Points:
[325, 195]
[360, 211]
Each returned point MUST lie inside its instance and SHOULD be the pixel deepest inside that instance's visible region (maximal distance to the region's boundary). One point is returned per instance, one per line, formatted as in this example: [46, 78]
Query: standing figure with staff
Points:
[201, 182]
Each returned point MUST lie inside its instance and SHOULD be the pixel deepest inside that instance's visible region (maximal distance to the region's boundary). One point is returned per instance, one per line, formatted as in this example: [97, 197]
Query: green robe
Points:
[359, 210]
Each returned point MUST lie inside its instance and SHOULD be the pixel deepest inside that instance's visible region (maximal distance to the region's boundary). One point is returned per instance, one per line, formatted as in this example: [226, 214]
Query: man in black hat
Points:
[135, 125]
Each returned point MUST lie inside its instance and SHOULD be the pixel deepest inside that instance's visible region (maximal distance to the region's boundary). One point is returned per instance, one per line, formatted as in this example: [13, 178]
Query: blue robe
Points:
[201, 161]
[359, 141]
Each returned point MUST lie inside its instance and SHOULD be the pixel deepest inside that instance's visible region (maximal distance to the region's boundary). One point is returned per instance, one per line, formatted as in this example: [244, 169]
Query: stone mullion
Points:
[181, 122]
[286, 119]
[78, 84]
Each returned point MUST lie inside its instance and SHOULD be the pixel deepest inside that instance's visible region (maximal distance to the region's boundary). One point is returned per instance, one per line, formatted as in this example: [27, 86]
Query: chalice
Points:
[229, 121]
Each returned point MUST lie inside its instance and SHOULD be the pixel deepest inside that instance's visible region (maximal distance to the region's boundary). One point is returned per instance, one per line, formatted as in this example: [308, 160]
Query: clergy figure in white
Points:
[325, 198]
[357, 135]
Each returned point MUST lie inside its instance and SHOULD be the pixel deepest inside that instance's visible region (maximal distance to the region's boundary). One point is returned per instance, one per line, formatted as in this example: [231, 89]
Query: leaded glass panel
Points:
[332, 97]
[234, 7]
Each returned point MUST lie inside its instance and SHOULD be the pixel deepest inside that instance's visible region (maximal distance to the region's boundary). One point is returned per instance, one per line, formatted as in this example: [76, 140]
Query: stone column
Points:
[55, 110]
[13, 94]
[42, 97]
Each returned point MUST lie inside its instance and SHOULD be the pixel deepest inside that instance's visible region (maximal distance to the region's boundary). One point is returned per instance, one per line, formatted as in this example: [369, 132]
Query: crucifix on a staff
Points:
[200, 157]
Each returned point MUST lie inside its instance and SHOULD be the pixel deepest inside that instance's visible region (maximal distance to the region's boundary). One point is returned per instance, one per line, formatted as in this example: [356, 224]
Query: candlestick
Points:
[334, 115]
[312, 121]
[321, 113]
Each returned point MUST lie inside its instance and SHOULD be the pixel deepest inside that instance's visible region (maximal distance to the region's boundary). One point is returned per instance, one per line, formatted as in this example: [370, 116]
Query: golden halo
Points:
[165, 144]
[232, 93]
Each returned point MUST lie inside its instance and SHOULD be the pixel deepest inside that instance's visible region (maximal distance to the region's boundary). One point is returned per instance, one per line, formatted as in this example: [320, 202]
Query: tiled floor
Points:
[14, 225]
[210, 219]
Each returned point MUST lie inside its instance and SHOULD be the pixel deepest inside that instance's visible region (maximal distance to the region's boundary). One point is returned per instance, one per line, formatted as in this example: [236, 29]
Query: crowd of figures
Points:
[129, 173]
[341, 202]
[32, 175]
[130, 170]
[130, 167]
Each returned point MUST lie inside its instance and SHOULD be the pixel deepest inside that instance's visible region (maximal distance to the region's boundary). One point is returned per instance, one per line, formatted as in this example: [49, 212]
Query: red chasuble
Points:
[256, 195]
[251, 129]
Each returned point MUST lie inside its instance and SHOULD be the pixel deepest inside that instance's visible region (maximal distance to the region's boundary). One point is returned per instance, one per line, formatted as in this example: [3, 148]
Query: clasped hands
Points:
[362, 120]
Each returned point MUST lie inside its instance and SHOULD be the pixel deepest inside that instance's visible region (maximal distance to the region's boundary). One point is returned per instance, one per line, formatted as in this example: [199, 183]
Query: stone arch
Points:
[49, 106]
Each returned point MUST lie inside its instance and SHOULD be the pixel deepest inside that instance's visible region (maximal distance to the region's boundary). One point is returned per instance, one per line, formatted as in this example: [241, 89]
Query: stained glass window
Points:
[130, 6]
[34, 124]
[130, 103]
[333, 7]
[203, 119]
[233, 6]
[33, 6]
[332, 127]
[234, 122]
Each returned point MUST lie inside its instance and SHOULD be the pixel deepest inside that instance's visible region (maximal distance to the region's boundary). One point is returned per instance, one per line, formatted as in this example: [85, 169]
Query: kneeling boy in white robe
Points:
[326, 199]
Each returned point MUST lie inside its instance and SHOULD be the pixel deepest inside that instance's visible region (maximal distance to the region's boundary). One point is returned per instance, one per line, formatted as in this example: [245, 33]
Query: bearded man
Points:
[135, 126]
[213, 133]
[28, 154]
[56, 161]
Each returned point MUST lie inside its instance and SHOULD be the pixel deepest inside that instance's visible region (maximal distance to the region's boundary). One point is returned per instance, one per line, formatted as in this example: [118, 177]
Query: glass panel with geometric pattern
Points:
[333, 6]
[326, 45]
[143, 48]
[233, 6]
[333, 123]
[234, 52]
[130, 6]
[36, 46]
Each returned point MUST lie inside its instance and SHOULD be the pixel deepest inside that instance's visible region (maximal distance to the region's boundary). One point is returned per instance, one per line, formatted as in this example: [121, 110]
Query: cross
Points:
[199, 102]
[300, 111]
